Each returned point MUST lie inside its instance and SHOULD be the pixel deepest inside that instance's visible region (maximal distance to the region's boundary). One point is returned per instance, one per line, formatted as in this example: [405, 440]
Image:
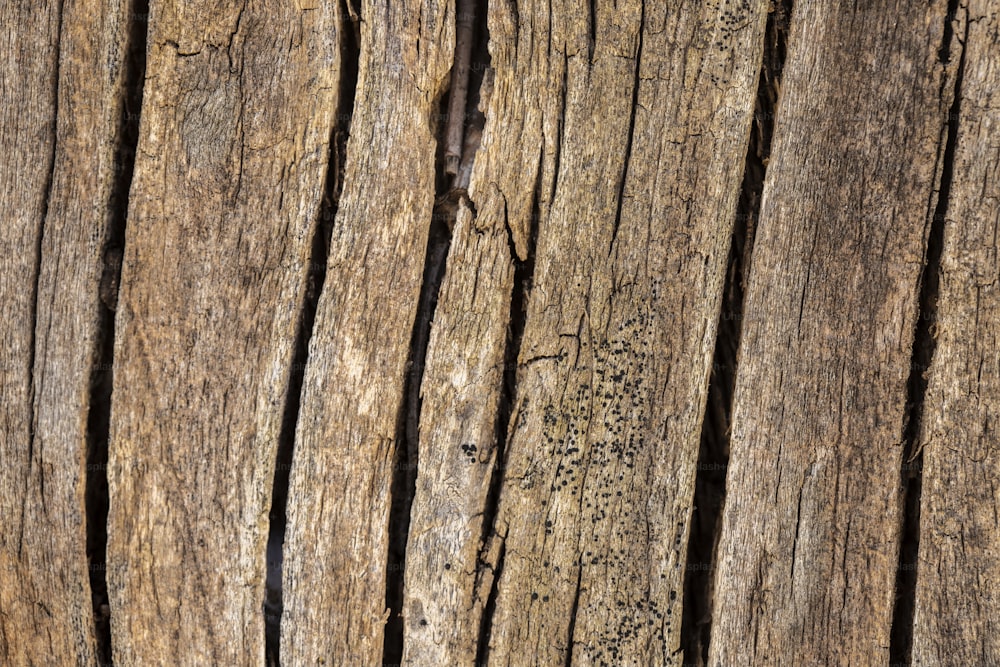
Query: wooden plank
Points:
[237, 114]
[640, 136]
[58, 136]
[958, 573]
[338, 510]
[810, 535]
[446, 585]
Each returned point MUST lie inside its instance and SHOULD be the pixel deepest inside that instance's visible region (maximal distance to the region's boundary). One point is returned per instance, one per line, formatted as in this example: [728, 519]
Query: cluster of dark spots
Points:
[536, 596]
[470, 450]
[734, 19]
[623, 398]
[562, 432]
[636, 617]
[606, 424]
[733, 16]
[601, 426]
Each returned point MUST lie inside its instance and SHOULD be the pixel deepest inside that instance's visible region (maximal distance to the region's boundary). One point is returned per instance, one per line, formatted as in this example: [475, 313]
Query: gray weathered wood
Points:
[810, 535]
[958, 572]
[237, 114]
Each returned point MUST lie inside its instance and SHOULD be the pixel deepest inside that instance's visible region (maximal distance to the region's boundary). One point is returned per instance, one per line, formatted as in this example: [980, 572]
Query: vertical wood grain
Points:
[233, 149]
[634, 215]
[338, 509]
[810, 534]
[958, 567]
[58, 139]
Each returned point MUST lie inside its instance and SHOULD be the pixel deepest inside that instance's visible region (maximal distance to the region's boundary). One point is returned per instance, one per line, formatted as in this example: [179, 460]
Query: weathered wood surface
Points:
[603, 440]
[810, 536]
[237, 115]
[958, 570]
[569, 349]
[58, 167]
[337, 537]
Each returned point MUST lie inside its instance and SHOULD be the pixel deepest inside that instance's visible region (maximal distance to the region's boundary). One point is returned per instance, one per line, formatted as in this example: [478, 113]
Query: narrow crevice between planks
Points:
[316, 277]
[408, 426]
[631, 130]
[404, 469]
[924, 345]
[102, 373]
[713, 454]
[451, 192]
[592, 32]
[486, 624]
[37, 267]
[574, 611]
[524, 272]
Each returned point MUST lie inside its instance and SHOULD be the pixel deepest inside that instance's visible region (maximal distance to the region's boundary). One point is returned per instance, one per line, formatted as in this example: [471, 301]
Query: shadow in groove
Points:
[713, 455]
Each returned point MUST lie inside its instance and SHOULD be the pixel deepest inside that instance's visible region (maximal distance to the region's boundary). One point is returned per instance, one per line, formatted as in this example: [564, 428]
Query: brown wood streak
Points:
[336, 541]
[56, 195]
[597, 488]
[810, 535]
[635, 327]
[958, 569]
[237, 117]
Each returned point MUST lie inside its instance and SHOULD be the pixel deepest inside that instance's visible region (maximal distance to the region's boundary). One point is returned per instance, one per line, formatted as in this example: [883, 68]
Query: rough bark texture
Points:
[237, 115]
[337, 541]
[958, 574]
[810, 533]
[58, 141]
